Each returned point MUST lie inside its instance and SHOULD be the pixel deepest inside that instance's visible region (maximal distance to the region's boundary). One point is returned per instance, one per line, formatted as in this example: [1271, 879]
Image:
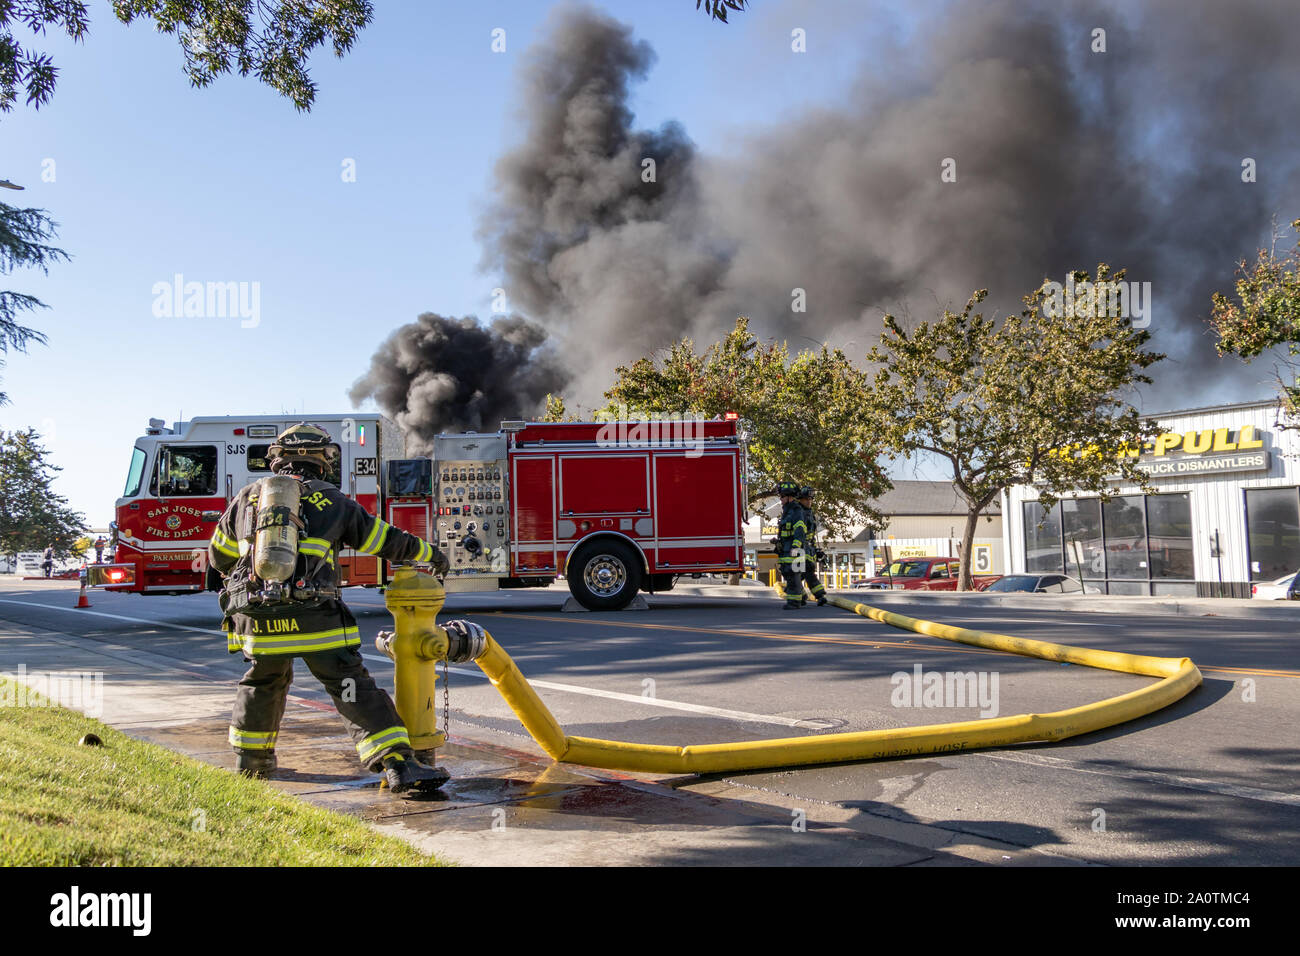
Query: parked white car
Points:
[1273, 590]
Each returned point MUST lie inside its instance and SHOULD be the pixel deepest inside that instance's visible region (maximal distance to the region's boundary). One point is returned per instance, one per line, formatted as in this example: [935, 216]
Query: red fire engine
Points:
[181, 479]
[615, 507]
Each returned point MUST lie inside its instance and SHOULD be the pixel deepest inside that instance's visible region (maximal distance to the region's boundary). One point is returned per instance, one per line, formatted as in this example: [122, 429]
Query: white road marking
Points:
[813, 724]
[549, 685]
[1028, 620]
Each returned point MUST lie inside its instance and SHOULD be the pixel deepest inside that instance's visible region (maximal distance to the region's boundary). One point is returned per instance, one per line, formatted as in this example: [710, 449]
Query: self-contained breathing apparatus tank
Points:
[275, 546]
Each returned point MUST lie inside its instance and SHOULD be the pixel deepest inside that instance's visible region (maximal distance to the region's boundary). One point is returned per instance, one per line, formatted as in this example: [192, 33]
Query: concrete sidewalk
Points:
[504, 806]
[1091, 604]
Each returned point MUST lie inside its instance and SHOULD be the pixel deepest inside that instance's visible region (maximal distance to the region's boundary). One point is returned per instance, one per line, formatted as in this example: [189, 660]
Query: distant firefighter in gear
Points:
[792, 533]
[815, 553]
[276, 548]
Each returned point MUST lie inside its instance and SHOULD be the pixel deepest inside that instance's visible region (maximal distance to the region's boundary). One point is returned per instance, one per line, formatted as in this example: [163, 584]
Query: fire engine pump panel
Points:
[472, 503]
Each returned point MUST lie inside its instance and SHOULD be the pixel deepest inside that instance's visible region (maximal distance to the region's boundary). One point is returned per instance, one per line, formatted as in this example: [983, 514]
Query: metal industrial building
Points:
[1226, 513]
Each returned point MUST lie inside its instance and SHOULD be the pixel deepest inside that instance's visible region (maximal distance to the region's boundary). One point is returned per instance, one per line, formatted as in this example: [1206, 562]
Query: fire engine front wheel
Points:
[605, 575]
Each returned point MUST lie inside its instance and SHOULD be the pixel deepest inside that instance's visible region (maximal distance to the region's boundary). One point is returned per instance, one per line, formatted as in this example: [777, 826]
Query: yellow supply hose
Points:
[1178, 677]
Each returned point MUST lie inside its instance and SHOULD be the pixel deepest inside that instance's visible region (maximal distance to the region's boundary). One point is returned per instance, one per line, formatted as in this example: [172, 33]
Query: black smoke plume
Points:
[1065, 157]
[606, 249]
[441, 374]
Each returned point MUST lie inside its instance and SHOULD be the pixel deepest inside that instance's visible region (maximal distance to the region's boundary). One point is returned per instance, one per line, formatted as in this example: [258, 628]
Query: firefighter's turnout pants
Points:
[810, 578]
[367, 710]
[790, 547]
[316, 625]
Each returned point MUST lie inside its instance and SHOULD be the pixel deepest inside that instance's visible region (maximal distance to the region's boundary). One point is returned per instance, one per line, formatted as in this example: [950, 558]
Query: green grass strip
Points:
[131, 803]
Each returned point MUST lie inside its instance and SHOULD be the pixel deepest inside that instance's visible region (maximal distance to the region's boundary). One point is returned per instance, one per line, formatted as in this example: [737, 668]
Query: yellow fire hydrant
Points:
[416, 645]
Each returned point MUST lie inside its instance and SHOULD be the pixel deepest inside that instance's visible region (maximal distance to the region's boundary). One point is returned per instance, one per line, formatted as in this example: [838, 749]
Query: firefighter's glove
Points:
[440, 564]
[466, 641]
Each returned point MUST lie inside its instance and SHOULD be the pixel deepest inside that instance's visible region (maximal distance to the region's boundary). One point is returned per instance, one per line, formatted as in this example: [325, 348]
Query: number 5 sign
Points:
[982, 559]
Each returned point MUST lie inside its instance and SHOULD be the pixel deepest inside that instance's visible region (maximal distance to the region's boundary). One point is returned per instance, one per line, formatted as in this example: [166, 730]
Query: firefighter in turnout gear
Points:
[814, 553]
[790, 544]
[276, 547]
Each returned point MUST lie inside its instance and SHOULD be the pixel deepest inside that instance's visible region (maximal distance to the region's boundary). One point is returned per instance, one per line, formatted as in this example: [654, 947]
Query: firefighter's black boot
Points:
[407, 773]
[791, 606]
[259, 764]
[821, 601]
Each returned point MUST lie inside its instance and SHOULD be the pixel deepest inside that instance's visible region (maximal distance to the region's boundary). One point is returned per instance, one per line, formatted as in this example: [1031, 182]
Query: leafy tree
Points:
[24, 69]
[1266, 314]
[554, 408]
[271, 39]
[558, 411]
[22, 235]
[1038, 398]
[717, 9]
[802, 414]
[32, 516]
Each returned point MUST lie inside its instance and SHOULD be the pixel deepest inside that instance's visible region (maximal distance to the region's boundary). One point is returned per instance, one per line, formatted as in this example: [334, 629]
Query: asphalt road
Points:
[1212, 780]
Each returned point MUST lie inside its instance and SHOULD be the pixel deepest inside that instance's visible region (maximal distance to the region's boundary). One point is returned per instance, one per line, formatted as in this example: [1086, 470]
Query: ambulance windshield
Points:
[134, 476]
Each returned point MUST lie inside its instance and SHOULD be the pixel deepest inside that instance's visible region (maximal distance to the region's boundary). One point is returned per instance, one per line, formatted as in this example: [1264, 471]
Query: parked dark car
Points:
[1041, 584]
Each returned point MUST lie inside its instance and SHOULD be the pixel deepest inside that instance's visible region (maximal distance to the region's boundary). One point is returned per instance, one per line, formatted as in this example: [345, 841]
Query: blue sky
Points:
[230, 184]
[152, 179]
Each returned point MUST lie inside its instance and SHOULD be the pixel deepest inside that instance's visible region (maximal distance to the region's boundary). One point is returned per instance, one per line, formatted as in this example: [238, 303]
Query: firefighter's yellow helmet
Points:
[303, 443]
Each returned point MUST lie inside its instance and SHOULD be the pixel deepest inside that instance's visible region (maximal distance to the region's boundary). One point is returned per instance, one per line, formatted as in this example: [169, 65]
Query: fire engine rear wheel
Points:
[605, 575]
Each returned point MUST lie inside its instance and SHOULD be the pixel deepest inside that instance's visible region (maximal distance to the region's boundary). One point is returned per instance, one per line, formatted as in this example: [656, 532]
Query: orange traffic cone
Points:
[82, 600]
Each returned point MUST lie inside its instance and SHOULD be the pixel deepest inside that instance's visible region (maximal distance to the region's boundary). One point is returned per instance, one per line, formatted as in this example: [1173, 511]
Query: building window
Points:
[1169, 526]
[1042, 544]
[1133, 544]
[1273, 526]
[1126, 538]
[1081, 518]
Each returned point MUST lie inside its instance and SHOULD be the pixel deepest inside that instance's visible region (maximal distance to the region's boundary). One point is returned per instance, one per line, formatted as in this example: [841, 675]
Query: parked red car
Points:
[925, 574]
